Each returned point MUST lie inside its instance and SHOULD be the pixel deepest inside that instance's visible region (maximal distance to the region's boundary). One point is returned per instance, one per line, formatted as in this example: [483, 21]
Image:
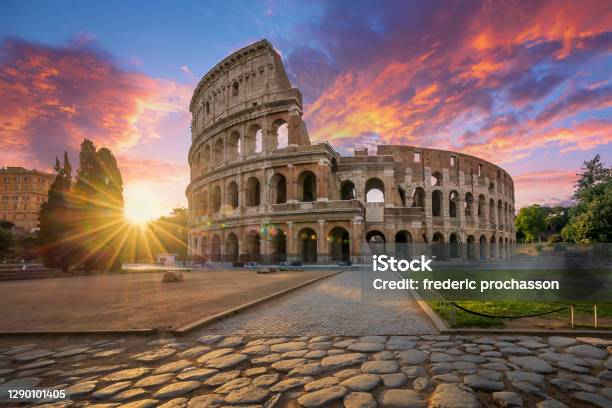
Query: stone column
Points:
[291, 185]
[356, 237]
[322, 255]
[291, 243]
[266, 245]
[321, 183]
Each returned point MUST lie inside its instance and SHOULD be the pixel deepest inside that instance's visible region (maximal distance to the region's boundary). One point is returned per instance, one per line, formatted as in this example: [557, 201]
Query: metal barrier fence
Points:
[154, 267]
[446, 309]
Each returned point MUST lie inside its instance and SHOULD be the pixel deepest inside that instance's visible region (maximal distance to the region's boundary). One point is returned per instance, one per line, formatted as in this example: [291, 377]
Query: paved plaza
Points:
[135, 300]
[315, 371]
[344, 305]
[286, 353]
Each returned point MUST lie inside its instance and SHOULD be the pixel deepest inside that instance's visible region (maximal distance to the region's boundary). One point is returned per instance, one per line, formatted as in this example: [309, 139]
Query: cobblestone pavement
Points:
[436, 371]
[344, 304]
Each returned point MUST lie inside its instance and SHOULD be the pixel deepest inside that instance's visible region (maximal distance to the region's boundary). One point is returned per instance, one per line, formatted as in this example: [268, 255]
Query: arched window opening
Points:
[452, 204]
[281, 130]
[206, 157]
[231, 248]
[232, 195]
[218, 151]
[437, 246]
[235, 89]
[204, 203]
[402, 195]
[436, 203]
[308, 245]
[204, 248]
[233, 146]
[254, 140]
[339, 244]
[278, 189]
[279, 245]
[491, 188]
[215, 249]
[436, 179]
[454, 245]
[347, 190]
[493, 247]
[375, 191]
[403, 243]
[483, 247]
[491, 210]
[307, 183]
[482, 202]
[253, 246]
[471, 247]
[253, 192]
[468, 205]
[216, 199]
[418, 197]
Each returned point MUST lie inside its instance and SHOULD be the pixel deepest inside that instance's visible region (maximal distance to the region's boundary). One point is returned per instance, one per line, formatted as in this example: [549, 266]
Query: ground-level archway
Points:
[252, 246]
[231, 248]
[403, 244]
[307, 239]
[278, 241]
[339, 244]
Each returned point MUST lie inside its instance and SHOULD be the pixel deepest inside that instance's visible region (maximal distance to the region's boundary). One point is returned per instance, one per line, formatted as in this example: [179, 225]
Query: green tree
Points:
[97, 202]
[530, 222]
[591, 217]
[171, 232]
[56, 247]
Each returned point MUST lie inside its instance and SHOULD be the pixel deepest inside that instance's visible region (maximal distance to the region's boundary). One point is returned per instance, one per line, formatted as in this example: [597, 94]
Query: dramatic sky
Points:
[526, 85]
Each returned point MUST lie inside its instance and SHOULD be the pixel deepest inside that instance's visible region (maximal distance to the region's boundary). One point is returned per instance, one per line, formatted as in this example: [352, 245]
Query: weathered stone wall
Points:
[260, 191]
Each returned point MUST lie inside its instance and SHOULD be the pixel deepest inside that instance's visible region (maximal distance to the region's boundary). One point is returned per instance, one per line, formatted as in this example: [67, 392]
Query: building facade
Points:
[261, 191]
[22, 193]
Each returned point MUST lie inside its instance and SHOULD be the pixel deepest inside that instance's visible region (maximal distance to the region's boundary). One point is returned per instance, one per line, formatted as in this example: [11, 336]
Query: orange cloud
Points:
[549, 187]
[51, 98]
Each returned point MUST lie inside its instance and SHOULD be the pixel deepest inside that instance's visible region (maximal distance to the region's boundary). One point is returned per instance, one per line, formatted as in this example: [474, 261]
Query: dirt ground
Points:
[134, 300]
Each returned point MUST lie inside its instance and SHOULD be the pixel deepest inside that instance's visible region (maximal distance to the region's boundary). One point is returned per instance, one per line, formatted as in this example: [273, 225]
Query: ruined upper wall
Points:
[250, 77]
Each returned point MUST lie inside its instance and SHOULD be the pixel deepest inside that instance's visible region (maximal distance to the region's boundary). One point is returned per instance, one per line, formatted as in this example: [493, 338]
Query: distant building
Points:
[22, 192]
[166, 259]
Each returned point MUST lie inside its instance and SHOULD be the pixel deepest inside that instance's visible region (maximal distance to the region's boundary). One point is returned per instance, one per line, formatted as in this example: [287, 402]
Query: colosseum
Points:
[261, 191]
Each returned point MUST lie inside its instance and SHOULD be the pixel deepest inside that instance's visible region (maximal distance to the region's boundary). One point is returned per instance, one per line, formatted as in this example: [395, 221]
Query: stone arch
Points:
[253, 142]
[307, 186]
[278, 242]
[501, 249]
[215, 248]
[493, 247]
[204, 247]
[436, 178]
[375, 237]
[216, 199]
[491, 210]
[471, 247]
[418, 197]
[453, 199]
[252, 246]
[206, 157]
[281, 132]
[454, 245]
[403, 244]
[204, 203]
[232, 195]
[483, 246]
[438, 245]
[253, 192]
[491, 188]
[375, 190]
[278, 189]
[232, 248]
[233, 145]
[468, 206]
[500, 213]
[347, 190]
[482, 202]
[307, 238]
[217, 154]
[339, 244]
[436, 203]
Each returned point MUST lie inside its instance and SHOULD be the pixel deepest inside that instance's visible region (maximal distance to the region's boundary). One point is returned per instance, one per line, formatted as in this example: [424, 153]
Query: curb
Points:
[431, 315]
[219, 316]
[144, 332]
[532, 332]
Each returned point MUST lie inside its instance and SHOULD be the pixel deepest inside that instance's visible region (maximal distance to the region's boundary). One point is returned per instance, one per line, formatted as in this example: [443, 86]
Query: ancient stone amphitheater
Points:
[261, 191]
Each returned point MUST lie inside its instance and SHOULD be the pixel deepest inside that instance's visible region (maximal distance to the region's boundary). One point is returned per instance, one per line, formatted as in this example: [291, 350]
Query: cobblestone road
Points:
[334, 306]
